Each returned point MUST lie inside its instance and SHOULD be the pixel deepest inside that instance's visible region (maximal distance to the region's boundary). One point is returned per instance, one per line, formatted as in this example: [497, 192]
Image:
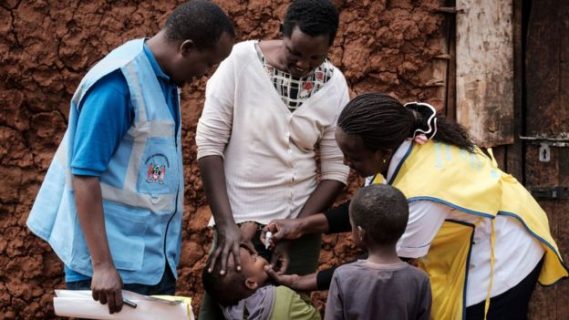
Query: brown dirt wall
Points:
[47, 46]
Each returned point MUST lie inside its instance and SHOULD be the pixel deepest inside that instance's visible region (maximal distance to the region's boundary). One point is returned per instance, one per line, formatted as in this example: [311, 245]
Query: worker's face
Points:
[304, 53]
[365, 162]
[192, 63]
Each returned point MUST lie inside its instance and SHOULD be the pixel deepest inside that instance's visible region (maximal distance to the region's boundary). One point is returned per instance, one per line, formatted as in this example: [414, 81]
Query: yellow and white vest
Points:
[473, 184]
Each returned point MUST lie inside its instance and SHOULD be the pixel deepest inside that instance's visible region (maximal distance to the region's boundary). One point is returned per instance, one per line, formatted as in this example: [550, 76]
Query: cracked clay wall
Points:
[47, 46]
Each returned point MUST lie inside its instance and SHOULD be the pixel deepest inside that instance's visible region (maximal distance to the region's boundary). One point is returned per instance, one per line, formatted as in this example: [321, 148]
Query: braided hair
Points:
[313, 17]
[383, 122]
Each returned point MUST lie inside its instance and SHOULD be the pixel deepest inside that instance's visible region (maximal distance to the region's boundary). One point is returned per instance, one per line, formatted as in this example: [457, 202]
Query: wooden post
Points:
[485, 75]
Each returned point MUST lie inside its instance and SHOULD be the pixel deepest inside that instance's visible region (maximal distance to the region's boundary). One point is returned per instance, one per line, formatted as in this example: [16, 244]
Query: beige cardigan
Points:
[269, 152]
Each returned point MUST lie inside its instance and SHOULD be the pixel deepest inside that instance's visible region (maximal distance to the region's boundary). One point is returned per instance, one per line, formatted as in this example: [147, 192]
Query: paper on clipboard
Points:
[80, 304]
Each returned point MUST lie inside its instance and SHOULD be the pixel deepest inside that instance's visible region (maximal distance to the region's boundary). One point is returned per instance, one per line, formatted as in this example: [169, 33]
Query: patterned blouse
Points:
[294, 91]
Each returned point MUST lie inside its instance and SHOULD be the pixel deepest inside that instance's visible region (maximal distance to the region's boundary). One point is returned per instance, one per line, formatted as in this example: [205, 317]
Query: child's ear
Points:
[251, 283]
[361, 234]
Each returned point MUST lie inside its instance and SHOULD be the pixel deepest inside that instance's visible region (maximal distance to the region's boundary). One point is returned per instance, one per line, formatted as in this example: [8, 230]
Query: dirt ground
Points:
[47, 46]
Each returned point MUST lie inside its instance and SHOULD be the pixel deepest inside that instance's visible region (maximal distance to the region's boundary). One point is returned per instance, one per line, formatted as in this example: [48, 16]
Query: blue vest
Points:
[142, 187]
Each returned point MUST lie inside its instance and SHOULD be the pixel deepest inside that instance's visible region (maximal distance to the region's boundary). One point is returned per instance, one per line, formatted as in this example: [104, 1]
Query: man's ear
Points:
[187, 46]
[251, 284]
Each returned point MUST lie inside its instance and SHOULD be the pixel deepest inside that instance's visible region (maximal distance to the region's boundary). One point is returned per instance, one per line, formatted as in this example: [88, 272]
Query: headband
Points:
[426, 124]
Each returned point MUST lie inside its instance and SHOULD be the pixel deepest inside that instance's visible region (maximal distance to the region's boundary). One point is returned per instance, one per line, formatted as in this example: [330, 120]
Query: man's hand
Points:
[106, 287]
[106, 284]
[280, 259]
[227, 247]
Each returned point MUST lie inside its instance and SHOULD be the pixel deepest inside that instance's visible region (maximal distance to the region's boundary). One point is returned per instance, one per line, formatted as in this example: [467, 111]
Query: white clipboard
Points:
[80, 304]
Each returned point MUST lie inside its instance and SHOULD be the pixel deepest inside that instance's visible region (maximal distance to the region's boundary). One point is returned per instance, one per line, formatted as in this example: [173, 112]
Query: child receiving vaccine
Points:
[249, 293]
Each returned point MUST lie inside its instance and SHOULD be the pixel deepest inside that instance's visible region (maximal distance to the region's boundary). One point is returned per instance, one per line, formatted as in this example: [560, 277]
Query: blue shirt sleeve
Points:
[105, 116]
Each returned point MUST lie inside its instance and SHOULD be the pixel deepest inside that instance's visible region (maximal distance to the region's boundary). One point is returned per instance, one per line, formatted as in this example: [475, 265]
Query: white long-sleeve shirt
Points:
[269, 153]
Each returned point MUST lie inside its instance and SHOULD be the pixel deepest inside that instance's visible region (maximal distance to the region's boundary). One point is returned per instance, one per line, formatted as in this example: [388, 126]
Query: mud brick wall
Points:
[47, 46]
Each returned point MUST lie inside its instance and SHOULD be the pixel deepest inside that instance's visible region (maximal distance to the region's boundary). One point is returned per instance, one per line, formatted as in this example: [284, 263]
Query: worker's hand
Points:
[294, 281]
[282, 229]
[289, 280]
[280, 258]
[227, 247]
[106, 287]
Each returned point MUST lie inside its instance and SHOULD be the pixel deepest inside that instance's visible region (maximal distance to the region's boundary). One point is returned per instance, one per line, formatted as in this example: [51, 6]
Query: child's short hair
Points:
[228, 289]
[382, 211]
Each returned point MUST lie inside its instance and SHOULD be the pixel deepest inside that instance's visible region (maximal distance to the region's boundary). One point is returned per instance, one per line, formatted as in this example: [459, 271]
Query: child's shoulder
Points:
[349, 270]
[284, 292]
[280, 289]
[289, 302]
[356, 265]
[418, 271]
[418, 274]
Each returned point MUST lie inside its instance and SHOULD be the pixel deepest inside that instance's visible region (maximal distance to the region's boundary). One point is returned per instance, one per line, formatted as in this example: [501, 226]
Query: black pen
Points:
[129, 303]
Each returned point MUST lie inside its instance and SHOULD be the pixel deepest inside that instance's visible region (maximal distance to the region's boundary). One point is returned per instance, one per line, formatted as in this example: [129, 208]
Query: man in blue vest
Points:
[111, 202]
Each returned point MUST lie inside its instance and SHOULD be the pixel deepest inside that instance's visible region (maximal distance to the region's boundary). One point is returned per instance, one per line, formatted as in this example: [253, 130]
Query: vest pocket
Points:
[126, 229]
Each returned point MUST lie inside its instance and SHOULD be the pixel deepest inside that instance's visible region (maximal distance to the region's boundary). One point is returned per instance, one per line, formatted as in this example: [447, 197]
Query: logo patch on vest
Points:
[156, 166]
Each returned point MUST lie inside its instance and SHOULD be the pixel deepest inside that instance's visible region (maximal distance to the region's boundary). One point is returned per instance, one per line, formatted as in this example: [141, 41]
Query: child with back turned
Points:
[382, 286]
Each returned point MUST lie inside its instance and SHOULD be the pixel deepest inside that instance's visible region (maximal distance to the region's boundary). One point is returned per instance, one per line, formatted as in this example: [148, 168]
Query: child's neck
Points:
[383, 254]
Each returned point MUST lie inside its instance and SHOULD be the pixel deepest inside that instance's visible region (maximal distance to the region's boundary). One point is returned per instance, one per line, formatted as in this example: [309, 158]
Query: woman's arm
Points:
[322, 198]
[333, 221]
[228, 233]
[294, 281]
[212, 135]
[338, 219]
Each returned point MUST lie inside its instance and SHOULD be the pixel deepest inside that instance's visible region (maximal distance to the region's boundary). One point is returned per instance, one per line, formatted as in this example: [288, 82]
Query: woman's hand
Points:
[228, 240]
[282, 229]
[280, 259]
[292, 229]
[294, 281]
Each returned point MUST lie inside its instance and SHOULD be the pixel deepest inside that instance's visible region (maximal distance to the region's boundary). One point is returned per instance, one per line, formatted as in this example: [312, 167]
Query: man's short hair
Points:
[382, 211]
[228, 289]
[201, 21]
[313, 17]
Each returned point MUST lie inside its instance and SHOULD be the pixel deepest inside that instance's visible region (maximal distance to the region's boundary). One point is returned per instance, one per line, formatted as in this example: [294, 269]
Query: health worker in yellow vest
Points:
[477, 232]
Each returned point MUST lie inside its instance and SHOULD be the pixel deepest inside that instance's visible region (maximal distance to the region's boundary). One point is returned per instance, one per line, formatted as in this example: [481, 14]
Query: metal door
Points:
[545, 132]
